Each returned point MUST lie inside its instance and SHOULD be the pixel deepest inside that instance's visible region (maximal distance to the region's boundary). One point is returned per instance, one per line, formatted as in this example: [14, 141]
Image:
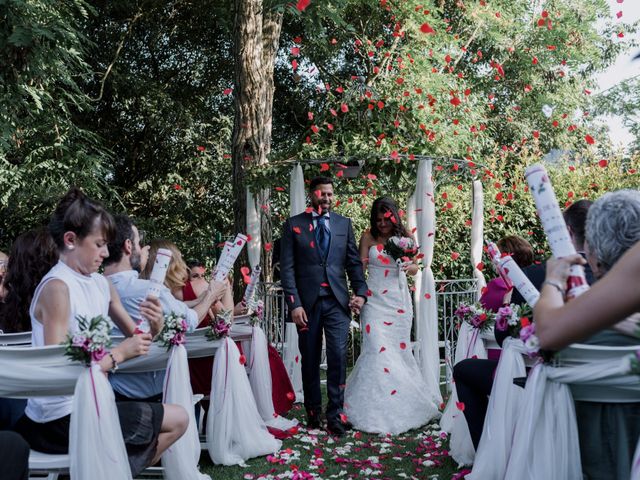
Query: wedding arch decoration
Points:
[421, 218]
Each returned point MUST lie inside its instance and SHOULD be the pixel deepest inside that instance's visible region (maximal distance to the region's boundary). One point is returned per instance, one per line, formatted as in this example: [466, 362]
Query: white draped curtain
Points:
[477, 234]
[291, 354]
[253, 230]
[297, 196]
[425, 299]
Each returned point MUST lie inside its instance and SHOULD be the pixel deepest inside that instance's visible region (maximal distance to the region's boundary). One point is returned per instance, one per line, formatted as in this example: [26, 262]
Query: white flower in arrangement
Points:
[173, 331]
[89, 344]
[532, 344]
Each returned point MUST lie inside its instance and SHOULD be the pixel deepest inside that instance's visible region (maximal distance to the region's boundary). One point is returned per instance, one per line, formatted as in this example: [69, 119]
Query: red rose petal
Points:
[403, 345]
[302, 5]
[460, 406]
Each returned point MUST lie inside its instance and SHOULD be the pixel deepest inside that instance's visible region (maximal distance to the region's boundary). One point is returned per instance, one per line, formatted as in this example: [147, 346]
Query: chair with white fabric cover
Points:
[21, 338]
[545, 443]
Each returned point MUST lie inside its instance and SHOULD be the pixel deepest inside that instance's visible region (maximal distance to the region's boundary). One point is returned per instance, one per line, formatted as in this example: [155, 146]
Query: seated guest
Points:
[197, 281]
[122, 267]
[33, 254]
[608, 432]
[14, 456]
[3, 268]
[177, 274]
[612, 299]
[473, 377]
[496, 293]
[81, 228]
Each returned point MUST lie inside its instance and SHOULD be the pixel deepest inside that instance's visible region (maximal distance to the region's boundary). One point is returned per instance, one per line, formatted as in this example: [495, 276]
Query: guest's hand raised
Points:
[151, 310]
[217, 289]
[240, 308]
[558, 268]
[134, 346]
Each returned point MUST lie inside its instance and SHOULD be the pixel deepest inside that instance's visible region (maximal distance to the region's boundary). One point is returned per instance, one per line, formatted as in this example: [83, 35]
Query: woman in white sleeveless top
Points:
[81, 229]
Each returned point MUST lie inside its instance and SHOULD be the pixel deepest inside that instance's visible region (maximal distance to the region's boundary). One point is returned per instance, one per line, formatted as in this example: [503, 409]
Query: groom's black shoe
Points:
[313, 419]
[335, 427]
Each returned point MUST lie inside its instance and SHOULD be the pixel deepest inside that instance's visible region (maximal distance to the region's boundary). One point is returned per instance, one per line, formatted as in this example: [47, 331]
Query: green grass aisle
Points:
[418, 454]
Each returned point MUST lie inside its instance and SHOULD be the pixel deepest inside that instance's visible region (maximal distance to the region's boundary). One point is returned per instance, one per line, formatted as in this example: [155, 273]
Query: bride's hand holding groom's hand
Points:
[356, 303]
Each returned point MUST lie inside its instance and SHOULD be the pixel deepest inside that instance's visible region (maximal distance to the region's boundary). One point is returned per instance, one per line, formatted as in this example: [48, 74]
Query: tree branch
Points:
[135, 18]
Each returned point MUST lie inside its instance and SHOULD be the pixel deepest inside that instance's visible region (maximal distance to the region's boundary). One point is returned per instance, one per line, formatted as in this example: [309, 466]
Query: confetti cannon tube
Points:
[554, 226]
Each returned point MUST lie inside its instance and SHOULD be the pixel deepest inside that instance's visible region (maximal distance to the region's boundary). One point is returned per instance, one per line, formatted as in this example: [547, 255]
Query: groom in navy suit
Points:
[318, 252]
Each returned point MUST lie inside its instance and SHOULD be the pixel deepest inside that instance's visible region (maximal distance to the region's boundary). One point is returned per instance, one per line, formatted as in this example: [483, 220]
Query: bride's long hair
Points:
[384, 205]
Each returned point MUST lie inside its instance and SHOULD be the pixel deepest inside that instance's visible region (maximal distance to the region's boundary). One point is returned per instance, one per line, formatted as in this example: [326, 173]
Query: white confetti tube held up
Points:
[519, 280]
[228, 257]
[554, 226]
[251, 287]
[158, 274]
[495, 256]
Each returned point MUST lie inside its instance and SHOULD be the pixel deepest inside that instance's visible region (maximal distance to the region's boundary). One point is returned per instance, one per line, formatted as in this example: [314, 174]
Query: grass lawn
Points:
[418, 454]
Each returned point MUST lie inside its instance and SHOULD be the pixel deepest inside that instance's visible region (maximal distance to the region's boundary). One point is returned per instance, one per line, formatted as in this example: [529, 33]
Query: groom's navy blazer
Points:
[302, 268]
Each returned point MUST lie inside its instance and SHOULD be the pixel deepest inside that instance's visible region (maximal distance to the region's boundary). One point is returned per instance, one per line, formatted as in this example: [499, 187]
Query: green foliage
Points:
[43, 148]
[623, 100]
[453, 79]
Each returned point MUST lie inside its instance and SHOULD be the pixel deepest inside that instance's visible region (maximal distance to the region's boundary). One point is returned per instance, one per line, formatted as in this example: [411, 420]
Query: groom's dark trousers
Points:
[327, 315]
[318, 283]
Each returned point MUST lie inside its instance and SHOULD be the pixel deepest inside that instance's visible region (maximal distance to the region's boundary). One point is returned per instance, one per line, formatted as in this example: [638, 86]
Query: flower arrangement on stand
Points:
[475, 315]
[516, 319]
[256, 309]
[220, 326]
[173, 331]
[91, 342]
[401, 249]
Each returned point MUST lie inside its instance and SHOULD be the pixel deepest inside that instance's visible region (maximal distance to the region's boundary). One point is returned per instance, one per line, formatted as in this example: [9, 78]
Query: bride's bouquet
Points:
[91, 340]
[401, 249]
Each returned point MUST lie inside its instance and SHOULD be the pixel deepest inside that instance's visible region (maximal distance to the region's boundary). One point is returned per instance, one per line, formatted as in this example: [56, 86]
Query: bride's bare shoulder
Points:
[367, 238]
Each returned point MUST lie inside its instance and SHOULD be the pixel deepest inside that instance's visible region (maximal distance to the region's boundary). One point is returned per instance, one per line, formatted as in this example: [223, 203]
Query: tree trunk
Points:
[256, 40]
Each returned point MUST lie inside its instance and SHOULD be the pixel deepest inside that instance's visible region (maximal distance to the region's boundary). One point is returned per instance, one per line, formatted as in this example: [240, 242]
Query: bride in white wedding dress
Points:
[385, 392]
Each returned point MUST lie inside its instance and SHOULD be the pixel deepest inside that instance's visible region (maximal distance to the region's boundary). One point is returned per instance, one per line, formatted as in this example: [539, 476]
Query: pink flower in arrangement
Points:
[98, 355]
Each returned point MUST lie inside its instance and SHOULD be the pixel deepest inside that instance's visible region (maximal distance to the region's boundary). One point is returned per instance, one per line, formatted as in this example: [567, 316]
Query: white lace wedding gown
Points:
[385, 392]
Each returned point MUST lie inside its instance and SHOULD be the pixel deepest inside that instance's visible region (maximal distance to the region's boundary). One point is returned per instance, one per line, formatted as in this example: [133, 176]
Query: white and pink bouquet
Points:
[510, 317]
[401, 249]
[173, 331]
[475, 315]
[90, 342]
[220, 326]
[529, 338]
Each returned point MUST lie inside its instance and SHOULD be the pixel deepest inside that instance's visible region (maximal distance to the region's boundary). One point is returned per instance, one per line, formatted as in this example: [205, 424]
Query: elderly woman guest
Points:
[608, 432]
[613, 232]
[81, 229]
